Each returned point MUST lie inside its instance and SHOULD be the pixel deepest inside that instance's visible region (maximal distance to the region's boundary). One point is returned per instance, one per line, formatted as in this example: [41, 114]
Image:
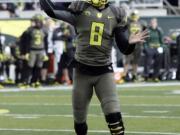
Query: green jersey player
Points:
[97, 24]
[33, 49]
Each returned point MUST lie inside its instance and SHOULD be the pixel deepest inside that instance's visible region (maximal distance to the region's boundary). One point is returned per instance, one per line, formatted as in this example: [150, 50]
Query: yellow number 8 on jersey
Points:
[96, 33]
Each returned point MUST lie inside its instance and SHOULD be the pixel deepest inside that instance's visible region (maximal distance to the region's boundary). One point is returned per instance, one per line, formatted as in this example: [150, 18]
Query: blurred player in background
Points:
[48, 62]
[34, 50]
[59, 44]
[64, 70]
[18, 62]
[153, 51]
[96, 23]
[22, 43]
[70, 50]
[134, 26]
[6, 60]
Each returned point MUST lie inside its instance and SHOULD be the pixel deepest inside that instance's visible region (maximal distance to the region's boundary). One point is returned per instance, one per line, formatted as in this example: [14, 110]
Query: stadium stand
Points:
[146, 7]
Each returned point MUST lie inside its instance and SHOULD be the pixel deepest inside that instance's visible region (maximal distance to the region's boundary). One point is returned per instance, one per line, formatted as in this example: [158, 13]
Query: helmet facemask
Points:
[135, 15]
[98, 3]
[38, 20]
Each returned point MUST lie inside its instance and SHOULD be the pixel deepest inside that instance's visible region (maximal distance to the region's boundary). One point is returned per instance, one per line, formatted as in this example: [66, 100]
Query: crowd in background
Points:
[20, 6]
[43, 54]
[154, 55]
[13, 8]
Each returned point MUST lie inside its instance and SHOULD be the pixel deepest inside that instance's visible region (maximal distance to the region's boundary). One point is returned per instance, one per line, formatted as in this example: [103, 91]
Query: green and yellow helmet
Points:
[135, 15]
[38, 19]
[98, 3]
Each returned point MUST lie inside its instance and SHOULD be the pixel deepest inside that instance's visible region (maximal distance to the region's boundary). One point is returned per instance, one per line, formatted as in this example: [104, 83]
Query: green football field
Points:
[147, 110]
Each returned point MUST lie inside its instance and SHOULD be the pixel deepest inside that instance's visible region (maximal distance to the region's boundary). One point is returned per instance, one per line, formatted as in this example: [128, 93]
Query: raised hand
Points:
[139, 37]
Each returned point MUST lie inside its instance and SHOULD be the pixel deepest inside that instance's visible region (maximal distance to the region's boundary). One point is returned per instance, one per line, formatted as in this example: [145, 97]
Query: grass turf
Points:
[146, 110]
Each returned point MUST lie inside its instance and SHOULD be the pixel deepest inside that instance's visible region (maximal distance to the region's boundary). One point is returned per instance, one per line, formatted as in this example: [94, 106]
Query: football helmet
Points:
[98, 3]
[135, 15]
[38, 19]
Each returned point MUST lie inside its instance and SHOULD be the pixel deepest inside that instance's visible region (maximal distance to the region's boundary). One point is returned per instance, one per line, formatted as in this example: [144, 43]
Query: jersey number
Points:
[96, 33]
[38, 38]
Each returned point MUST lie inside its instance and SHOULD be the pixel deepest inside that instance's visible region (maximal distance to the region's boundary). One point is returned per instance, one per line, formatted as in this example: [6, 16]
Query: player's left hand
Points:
[139, 37]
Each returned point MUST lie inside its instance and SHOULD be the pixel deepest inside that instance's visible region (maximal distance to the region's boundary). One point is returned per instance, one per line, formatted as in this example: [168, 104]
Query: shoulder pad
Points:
[78, 6]
[120, 14]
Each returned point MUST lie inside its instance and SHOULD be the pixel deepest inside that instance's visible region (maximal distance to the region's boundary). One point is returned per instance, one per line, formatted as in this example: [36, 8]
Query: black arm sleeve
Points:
[62, 13]
[48, 7]
[61, 5]
[122, 41]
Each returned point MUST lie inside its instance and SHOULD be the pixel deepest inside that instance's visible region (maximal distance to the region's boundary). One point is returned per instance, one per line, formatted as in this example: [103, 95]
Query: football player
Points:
[65, 33]
[34, 49]
[134, 26]
[96, 23]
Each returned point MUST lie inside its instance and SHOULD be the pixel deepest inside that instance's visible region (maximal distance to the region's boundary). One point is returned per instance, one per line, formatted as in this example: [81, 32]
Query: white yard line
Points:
[65, 88]
[90, 131]
[127, 85]
[152, 105]
[41, 96]
[156, 112]
[66, 96]
[56, 104]
[176, 92]
[89, 115]
[152, 117]
[26, 117]
[149, 96]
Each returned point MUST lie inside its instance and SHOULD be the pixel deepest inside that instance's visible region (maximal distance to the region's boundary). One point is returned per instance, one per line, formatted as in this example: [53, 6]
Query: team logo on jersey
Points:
[99, 15]
[110, 17]
[87, 13]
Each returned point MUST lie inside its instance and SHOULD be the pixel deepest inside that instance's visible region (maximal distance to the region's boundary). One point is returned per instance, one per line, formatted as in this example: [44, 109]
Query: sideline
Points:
[65, 88]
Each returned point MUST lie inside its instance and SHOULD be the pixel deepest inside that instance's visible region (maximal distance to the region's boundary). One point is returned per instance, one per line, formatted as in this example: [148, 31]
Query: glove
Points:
[45, 58]
[26, 56]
